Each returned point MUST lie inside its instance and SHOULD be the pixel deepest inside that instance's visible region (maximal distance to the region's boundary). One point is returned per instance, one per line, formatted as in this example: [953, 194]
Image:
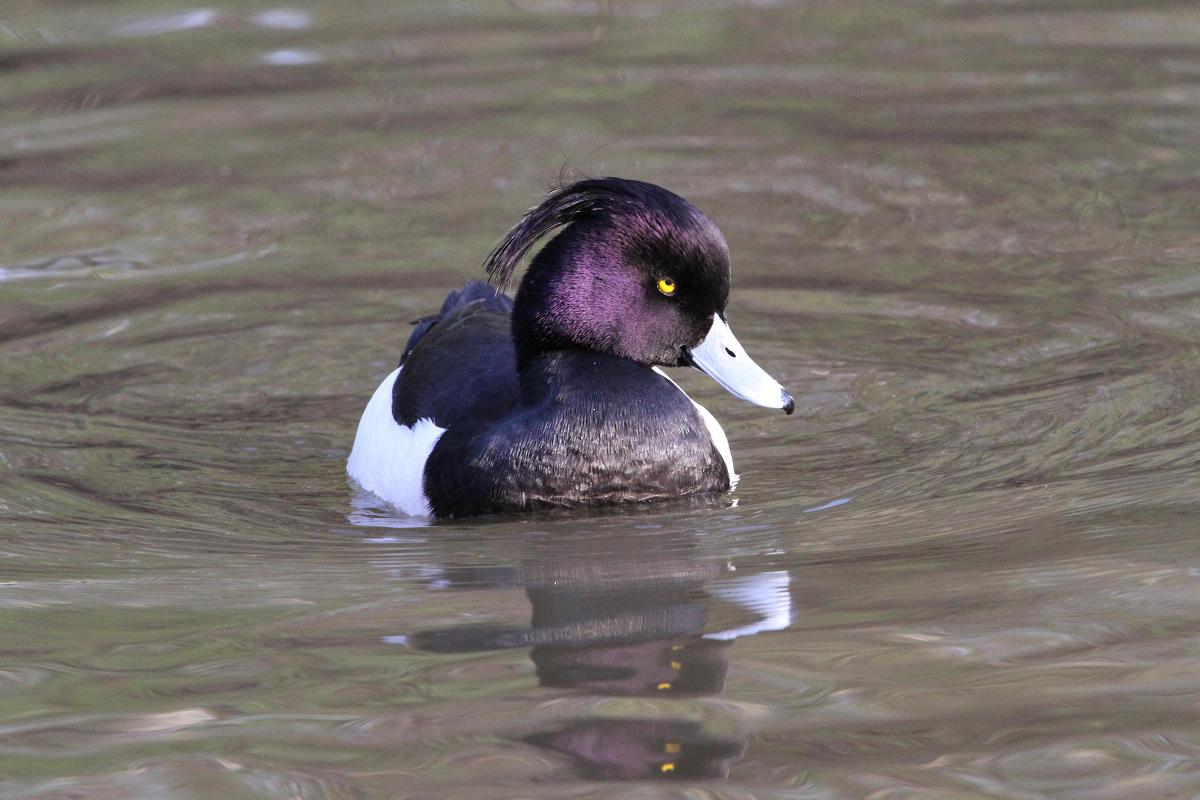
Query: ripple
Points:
[987, 316]
[288, 19]
[168, 23]
[292, 57]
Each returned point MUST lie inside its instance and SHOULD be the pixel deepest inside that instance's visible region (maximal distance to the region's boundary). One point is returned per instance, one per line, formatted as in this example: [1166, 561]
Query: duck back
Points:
[460, 363]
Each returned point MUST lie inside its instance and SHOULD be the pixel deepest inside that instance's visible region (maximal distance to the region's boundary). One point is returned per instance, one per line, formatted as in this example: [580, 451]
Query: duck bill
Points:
[721, 357]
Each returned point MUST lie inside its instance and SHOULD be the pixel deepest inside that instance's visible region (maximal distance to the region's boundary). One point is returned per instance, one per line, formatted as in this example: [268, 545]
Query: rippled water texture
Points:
[964, 234]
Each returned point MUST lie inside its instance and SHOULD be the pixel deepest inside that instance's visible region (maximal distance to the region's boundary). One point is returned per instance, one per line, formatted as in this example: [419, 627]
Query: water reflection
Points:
[169, 23]
[637, 749]
[627, 626]
[218, 219]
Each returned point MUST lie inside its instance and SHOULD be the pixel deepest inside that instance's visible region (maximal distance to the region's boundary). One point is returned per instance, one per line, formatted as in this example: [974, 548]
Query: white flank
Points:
[714, 430]
[388, 459]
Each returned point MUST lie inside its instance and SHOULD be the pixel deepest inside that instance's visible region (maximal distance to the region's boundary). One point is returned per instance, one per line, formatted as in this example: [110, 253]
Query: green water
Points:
[964, 235]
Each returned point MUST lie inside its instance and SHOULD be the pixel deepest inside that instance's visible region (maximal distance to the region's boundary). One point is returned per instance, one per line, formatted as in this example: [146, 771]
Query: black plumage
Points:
[574, 427]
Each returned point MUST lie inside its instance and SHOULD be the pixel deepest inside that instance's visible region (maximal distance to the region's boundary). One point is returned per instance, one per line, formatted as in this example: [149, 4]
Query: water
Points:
[964, 236]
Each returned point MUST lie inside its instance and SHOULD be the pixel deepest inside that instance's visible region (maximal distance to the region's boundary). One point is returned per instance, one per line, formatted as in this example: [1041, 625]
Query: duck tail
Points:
[473, 292]
[477, 291]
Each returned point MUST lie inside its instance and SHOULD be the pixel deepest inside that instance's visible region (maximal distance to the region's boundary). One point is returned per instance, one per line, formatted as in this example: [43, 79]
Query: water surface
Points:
[964, 236]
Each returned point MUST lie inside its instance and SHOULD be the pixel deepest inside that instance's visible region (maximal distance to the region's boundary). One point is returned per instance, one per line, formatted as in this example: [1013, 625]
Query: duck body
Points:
[574, 428]
[555, 398]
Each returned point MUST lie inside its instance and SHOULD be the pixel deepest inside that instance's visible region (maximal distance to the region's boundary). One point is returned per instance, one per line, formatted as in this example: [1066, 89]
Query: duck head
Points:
[635, 272]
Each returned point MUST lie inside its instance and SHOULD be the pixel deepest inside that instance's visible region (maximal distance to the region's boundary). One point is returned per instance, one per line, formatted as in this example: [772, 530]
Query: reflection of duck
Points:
[628, 639]
[628, 627]
[554, 398]
[634, 749]
[681, 668]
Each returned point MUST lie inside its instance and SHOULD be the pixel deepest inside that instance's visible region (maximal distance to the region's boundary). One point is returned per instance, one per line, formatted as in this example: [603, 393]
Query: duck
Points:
[555, 397]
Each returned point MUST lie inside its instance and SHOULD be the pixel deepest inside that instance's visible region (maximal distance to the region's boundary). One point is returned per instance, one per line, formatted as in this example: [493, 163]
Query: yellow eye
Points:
[666, 286]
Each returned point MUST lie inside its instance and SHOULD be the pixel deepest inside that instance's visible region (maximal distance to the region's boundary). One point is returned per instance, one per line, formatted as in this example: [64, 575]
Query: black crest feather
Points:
[562, 206]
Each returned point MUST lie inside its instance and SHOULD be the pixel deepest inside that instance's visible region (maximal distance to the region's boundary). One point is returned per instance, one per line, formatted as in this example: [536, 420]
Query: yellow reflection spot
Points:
[663, 686]
[676, 665]
[675, 648]
[667, 767]
[673, 748]
[667, 286]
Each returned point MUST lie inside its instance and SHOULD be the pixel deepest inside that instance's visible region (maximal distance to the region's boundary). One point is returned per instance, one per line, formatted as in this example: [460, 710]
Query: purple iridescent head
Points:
[635, 272]
[596, 285]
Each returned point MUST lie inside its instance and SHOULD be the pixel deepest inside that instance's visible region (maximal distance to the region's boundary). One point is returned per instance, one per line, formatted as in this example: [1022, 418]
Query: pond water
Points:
[964, 235]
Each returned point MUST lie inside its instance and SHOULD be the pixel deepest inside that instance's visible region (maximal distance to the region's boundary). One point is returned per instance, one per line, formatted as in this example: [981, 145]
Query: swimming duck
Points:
[556, 398]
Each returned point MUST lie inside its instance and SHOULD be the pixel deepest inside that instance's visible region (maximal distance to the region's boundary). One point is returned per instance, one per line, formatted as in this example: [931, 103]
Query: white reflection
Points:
[169, 23]
[371, 512]
[766, 594]
[288, 19]
[841, 501]
[292, 57]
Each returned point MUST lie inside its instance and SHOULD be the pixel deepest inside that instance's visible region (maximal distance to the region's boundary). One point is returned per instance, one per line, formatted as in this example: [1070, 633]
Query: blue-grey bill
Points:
[722, 357]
